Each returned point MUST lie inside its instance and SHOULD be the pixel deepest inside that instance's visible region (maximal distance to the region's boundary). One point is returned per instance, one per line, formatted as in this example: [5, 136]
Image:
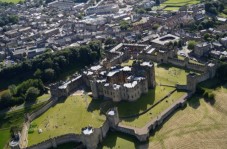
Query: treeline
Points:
[214, 7]
[27, 91]
[49, 66]
[8, 19]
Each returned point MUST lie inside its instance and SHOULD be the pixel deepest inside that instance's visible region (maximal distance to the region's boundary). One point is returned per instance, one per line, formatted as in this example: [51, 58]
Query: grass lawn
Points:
[171, 5]
[223, 15]
[67, 116]
[13, 1]
[127, 63]
[43, 97]
[144, 102]
[200, 125]
[5, 136]
[169, 75]
[115, 140]
[166, 74]
[154, 112]
[171, 8]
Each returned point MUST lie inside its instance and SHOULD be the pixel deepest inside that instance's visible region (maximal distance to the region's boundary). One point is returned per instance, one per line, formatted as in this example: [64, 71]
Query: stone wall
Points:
[53, 142]
[142, 134]
[90, 141]
[43, 109]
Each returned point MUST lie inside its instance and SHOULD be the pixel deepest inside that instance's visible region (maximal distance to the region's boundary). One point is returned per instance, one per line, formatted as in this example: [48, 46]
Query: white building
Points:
[104, 9]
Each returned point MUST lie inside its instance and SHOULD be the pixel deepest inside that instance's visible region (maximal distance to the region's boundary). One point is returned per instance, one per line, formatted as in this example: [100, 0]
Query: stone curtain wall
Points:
[30, 117]
[43, 109]
[142, 134]
[90, 141]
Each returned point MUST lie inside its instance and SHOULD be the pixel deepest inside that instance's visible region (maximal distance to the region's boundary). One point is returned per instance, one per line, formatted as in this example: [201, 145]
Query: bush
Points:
[32, 93]
[191, 44]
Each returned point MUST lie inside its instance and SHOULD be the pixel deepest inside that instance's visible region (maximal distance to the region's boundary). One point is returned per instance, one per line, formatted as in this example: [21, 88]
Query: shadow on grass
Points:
[210, 101]
[211, 84]
[70, 145]
[194, 101]
[111, 141]
[125, 108]
[152, 132]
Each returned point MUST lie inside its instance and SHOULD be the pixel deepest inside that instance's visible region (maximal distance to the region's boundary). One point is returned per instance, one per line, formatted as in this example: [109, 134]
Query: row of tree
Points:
[214, 7]
[49, 66]
[8, 19]
[27, 91]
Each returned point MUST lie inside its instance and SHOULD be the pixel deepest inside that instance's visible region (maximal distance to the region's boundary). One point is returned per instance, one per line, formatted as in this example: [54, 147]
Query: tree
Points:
[6, 98]
[49, 74]
[110, 41]
[32, 93]
[157, 2]
[13, 89]
[191, 44]
[175, 43]
[155, 26]
[124, 25]
[207, 37]
[38, 73]
[200, 27]
[180, 43]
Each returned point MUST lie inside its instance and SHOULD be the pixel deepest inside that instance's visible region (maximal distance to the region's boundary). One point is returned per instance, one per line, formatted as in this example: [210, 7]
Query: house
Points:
[223, 41]
[103, 9]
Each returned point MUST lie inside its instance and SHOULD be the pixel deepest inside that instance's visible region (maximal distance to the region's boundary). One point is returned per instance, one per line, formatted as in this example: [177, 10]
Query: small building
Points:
[223, 41]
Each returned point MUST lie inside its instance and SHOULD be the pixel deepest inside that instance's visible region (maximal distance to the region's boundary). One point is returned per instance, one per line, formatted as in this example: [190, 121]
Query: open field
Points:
[11, 1]
[67, 116]
[200, 125]
[171, 5]
[5, 136]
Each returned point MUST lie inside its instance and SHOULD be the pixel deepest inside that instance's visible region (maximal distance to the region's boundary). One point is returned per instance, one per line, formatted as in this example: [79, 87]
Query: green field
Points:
[11, 1]
[171, 5]
[67, 116]
[5, 136]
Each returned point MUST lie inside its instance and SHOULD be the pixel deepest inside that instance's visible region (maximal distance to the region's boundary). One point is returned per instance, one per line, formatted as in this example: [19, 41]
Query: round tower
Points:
[191, 82]
[113, 117]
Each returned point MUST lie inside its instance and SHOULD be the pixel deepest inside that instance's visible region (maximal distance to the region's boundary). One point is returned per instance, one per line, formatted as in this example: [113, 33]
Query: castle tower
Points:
[113, 117]
[191, 82]
[90, 137]
[211, 68]
[94, 89]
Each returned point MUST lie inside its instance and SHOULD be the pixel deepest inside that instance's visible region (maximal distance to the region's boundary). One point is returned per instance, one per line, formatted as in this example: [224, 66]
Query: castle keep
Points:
[124, 83]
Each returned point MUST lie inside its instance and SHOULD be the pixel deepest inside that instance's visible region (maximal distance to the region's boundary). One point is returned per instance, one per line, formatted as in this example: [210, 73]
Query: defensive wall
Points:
[142, 134]
[91, 141]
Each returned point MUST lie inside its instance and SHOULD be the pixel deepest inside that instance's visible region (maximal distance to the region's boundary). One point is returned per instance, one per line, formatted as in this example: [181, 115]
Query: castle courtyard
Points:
[67, 116]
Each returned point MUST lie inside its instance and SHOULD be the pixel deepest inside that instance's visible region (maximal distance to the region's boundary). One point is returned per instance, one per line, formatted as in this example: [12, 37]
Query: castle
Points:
[124, 83]
[109, 80]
